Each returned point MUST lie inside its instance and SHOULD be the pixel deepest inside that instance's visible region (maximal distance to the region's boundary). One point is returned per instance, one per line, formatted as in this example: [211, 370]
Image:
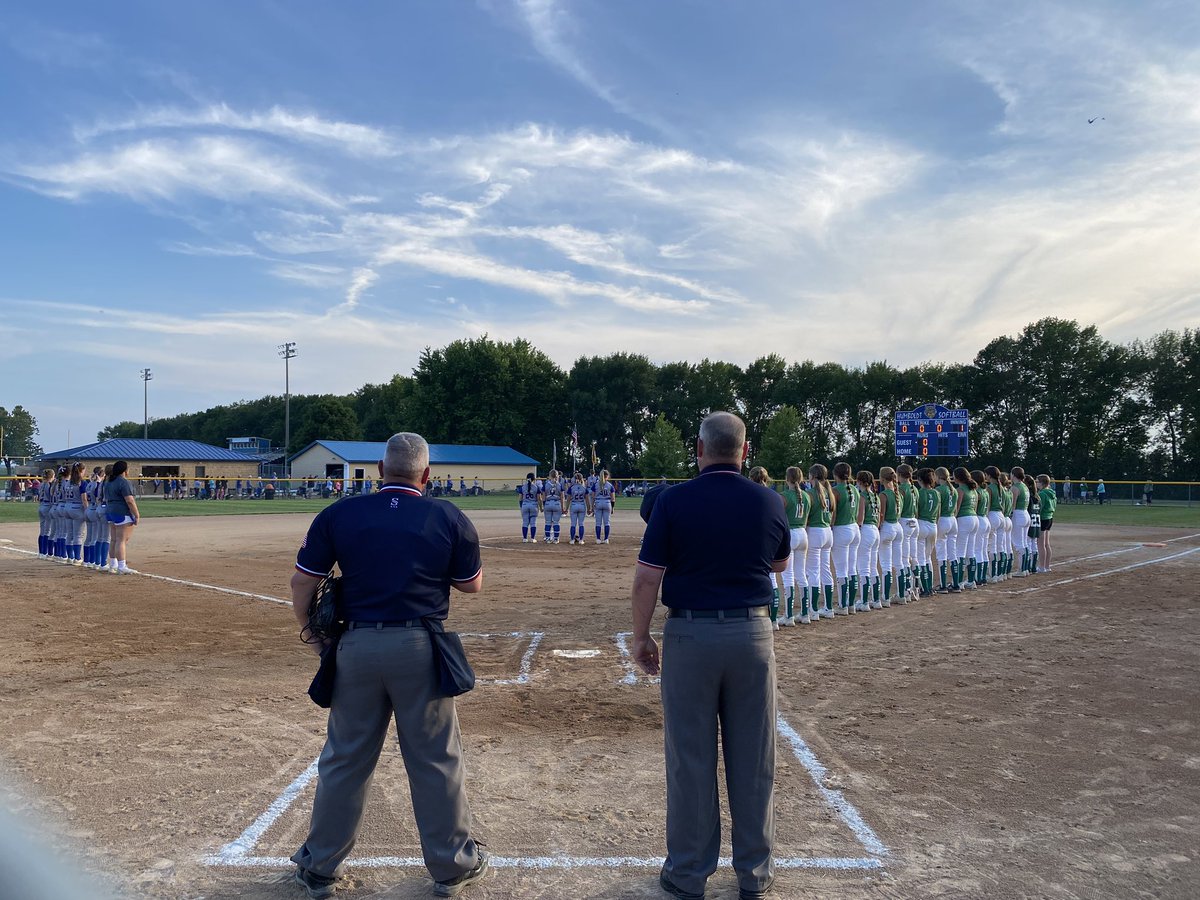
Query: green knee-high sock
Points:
[928, 578]
[970, 561]
[942, 575]
[804, 602]
[829, 597]
[774, 604]
[853, 590]
[843, 592]
[791, 600]
[887, 586]
[875, 588]
[1033, 562]
[954, 574]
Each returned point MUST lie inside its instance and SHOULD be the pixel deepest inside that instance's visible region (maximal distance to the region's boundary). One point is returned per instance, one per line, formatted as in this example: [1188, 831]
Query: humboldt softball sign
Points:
[933, 430]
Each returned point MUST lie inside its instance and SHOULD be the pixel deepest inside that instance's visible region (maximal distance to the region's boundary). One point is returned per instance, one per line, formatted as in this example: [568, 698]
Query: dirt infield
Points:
[1038, 738]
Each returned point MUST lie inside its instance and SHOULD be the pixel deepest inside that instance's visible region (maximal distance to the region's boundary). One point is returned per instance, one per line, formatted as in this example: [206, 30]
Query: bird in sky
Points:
[1096, 119]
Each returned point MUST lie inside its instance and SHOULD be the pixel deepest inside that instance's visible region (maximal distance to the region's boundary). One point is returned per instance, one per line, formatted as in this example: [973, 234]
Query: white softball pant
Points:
[891, 538]
[816, 561]
[908, 550]
[845, 549]
[947, 539]
[868, 552]
[926, 538]
[796, 574]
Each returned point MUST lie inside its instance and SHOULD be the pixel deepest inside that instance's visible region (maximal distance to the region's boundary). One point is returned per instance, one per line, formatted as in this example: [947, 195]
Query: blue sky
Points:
[185, 186]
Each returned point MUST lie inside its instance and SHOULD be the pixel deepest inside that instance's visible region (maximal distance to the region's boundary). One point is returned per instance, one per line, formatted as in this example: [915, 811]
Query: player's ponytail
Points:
[925, 476]
[887, 475]
[759, 475]
[793, 476]
[993, 473]
[977, 478]
[963, 477]
[842, 471]
[819, 476]
[1018, 474]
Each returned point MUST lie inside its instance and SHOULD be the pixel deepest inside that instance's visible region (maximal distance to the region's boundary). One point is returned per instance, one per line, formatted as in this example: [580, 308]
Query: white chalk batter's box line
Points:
[238, 852]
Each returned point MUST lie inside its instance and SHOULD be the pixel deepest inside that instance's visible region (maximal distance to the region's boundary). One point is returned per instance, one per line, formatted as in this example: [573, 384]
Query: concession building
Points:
[495, 467]
[159, 458]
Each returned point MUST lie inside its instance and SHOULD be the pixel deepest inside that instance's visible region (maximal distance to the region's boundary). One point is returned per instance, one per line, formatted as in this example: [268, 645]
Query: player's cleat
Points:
[581, 542]
[318, 887]
[76, 562]
[462, 882]
[128, 571]
[605, 541]
[804, 619]
[876, 604]
[787, 621]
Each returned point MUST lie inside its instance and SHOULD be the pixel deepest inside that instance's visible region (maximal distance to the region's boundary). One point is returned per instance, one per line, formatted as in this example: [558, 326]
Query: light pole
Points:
[287, 350]
[146, 378]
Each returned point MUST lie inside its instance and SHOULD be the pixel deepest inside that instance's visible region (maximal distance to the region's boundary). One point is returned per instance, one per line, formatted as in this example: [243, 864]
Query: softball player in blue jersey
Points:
[74, 506]
[577, 498]
[45, 495]
[57, 511]
[528, 494]
[552, 508]
[91, 535]
[604, 498]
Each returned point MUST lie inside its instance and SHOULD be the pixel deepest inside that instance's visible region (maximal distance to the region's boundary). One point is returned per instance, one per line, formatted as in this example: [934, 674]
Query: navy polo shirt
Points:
[716, 537]
[398, 552]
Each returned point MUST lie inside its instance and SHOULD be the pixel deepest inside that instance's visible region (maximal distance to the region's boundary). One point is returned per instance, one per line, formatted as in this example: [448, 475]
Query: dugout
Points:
[353, 461]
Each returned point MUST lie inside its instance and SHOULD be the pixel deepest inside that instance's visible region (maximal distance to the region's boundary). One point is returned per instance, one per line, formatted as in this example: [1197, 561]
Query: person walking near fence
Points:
[399, 554]
[718, 662]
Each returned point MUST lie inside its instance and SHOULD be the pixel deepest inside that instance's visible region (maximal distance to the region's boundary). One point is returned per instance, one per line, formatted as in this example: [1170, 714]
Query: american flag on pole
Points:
[574, 440]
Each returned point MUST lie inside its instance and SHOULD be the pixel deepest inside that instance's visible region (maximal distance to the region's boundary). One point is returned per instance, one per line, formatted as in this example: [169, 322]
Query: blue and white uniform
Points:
[603, 498]
[73, 517]
[552, 509]
[577, 496]
[45, 495]
[527, 492]
[93, 518]
[58, 526]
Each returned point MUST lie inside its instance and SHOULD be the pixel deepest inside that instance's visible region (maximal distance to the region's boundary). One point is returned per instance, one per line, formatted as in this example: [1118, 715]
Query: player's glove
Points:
[325, 615]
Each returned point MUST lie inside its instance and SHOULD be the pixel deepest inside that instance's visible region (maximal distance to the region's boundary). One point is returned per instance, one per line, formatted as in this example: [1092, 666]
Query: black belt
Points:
[736, 612]
[379, 626]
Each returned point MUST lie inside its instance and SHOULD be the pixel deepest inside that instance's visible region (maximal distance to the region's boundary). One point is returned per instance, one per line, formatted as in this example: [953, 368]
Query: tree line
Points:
[1057, 398]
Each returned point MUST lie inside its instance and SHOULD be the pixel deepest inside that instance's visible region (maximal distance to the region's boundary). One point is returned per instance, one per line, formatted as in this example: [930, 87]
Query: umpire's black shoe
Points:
[754, 893]
[675, 890]
[462, 882]
[318, 886]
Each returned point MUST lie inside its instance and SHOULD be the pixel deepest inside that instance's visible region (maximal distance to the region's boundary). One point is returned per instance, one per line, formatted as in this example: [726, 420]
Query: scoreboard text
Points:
[933, 430]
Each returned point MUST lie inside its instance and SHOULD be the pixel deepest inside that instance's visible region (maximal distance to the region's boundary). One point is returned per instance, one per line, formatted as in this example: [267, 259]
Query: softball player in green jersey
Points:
[891, 535]
[1020, 520]
[945, 545]
[759, 475]
[991, 477]
[1006, 526]
[929, 507]
[845, 537]
[968, 524]
[908, 524]
[820, 542]
[1035, 523]
[868, 543]
[983, 530]
[796, 505]
[1047, 503]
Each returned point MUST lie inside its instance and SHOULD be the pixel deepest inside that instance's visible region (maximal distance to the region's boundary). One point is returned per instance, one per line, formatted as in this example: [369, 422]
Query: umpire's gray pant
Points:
[719, 672]
[384, 674]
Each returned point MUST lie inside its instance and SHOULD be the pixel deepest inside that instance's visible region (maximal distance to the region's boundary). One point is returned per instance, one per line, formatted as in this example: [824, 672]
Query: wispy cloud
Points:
[353, 138]
[166, 169]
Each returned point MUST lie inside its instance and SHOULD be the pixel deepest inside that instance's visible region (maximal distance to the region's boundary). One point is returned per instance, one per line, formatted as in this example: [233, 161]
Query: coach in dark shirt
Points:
[711, 545]
[399, 553]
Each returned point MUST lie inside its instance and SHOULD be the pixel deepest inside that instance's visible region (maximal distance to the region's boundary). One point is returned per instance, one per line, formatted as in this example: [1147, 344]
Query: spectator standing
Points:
[1066, 489]
[1148, 492]
[716, 575]
[399, 554]
[1101, 491]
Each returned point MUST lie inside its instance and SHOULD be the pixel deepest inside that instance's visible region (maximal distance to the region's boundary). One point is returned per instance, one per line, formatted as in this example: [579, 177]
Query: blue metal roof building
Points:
[147, 450]
[439, 454]
[357, 459]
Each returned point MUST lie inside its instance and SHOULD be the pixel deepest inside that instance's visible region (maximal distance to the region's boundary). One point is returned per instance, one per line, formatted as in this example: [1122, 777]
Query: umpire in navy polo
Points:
[711, 545]
[399, 554]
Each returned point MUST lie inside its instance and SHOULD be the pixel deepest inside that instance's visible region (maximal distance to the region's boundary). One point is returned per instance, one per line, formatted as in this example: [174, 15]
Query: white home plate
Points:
[577, 654]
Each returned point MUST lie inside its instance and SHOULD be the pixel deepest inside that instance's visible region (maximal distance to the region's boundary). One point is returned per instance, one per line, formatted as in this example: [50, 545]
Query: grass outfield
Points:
[156, 507]
[1159, 515]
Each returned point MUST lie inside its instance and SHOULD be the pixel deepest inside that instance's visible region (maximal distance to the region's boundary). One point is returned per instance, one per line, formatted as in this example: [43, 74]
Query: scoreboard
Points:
[933, 430]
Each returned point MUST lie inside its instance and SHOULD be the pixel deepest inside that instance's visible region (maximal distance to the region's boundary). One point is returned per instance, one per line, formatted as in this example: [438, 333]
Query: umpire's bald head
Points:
[406, 458]
[722, 438]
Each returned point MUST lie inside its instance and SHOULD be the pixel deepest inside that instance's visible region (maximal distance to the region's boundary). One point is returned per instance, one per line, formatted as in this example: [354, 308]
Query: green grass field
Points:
[156, 507]
[1159, 515]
